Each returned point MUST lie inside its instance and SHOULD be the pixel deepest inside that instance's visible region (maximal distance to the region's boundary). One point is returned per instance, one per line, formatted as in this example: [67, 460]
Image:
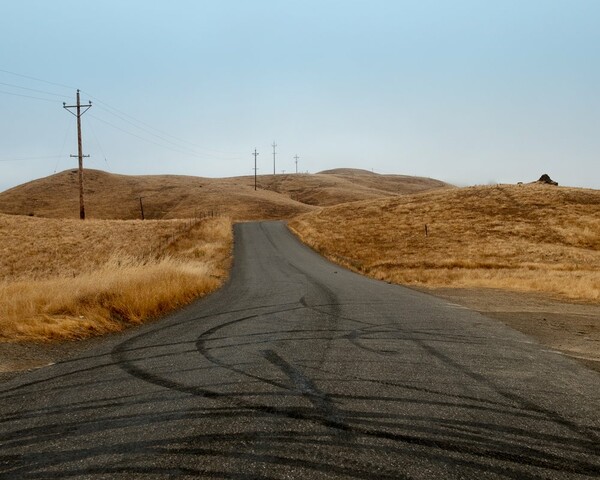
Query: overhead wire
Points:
[36, 79]
[45, 92]
[148, 131]
[27, 96]
[159, 133]
[91, 124]
[146, 139]
[22, 159]
[176, 144]
[62, 148]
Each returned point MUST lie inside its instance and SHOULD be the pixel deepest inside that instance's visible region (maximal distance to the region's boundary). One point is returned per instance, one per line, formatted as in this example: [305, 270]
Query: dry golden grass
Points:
[526, 238]
[110, 196]
[67, 279]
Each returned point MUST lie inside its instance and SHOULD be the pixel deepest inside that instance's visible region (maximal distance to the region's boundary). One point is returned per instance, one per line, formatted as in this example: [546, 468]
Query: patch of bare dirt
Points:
[16, 358]
[570, 328]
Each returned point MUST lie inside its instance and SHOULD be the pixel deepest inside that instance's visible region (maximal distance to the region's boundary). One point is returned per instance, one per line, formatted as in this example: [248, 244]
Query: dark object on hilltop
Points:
[547, 180]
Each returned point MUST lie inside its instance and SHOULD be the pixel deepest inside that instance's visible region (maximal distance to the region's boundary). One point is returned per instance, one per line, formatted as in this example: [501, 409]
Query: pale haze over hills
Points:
[468, 92]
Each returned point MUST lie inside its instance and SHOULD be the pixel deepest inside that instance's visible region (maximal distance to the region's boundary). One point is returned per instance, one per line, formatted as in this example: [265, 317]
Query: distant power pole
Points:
[255, 155]
[296, 158]
[79, 111]
[274, 145]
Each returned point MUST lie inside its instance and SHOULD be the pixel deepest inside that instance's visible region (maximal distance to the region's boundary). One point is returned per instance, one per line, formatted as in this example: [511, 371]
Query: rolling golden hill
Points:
[112, 196]
[332, 187]
[533, 237]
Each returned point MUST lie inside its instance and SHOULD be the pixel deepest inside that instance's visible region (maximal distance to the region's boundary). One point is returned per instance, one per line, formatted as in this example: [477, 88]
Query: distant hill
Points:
[113, 196]
[332, 187]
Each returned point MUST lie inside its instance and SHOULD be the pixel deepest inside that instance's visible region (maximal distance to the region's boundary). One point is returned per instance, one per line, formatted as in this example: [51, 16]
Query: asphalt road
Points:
[300, 369]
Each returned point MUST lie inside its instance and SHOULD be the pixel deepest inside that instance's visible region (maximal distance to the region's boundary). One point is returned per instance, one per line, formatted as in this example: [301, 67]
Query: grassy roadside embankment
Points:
[529, 238]
[67, 279]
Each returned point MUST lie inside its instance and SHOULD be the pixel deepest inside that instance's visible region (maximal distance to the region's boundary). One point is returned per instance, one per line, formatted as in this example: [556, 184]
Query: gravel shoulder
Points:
[570, 328]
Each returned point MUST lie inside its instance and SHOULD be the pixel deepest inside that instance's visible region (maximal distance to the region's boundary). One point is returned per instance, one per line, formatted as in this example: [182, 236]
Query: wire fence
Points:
[187, 225]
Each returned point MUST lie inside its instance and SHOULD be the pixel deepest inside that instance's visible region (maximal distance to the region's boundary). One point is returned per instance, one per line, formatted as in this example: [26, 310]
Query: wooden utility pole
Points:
[255, 155]
[274, 145]
[142, 208]
[78, 113]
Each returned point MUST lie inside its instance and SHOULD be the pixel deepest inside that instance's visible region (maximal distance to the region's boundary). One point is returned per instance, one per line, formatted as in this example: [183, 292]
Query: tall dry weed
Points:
[112, 289]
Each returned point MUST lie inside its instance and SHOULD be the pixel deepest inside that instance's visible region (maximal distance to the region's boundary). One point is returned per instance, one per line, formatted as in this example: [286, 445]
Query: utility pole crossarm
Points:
[85, 108]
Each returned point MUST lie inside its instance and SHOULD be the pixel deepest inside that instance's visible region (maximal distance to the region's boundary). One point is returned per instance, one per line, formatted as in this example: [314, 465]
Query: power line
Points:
[176, 144]
[27, 96]
[120, 114]
[23, 159]
[110, 109]
[98, 142]
[36, 79]
[151, 133]
[159, 133]
[62, 148]
[178, 150]
[173, 146]
[33, 90]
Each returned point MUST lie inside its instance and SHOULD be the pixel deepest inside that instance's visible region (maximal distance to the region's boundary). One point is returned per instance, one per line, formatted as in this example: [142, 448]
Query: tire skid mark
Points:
[307, 388]
[325, 416]
[530, 456]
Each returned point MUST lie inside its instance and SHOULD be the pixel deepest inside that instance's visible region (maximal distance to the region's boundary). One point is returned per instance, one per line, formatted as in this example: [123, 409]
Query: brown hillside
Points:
[402, 184]
[529, 238]
[112, 196]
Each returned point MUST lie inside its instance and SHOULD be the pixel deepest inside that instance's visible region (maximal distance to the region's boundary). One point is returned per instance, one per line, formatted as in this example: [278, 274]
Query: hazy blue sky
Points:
[466, 91]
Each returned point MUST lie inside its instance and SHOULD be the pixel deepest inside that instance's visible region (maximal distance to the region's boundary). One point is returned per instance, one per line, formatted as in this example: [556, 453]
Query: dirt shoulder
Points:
[571, 328]
[19, 357]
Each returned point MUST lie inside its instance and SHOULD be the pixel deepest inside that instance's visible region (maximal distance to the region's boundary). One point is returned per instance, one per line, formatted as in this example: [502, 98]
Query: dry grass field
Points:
[534, 238]
[111, 196]
[67, 279]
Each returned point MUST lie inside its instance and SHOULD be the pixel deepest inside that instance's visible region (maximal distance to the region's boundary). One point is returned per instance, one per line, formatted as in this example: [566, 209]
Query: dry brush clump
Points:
[529, 238]
[79, 279]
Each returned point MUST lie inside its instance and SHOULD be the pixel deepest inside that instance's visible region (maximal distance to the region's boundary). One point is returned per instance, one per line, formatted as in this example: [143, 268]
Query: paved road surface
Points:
[300, 369]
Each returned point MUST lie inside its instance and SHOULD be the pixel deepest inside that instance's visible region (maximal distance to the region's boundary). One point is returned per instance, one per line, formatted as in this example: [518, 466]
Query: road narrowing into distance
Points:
[298, 368]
